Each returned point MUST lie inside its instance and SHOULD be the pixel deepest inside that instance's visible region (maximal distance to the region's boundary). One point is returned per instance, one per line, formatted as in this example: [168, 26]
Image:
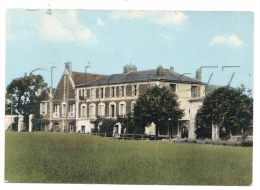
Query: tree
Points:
[157, 105]
[23, 93]
[103, 125]
[227, 107]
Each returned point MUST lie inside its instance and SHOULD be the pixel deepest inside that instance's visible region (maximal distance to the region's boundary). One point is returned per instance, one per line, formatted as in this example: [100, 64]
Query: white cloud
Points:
[161, 17]
[64, 26]
[100, 23]
[230, 40]
[9, 35]
[165, 36]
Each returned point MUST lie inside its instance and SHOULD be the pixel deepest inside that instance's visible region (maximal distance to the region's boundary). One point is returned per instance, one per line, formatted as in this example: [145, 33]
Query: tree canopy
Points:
[228, 107]
[22, 92]
[157, 105]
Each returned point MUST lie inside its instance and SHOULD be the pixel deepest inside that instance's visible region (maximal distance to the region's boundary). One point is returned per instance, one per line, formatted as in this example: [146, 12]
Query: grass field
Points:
[75, 158]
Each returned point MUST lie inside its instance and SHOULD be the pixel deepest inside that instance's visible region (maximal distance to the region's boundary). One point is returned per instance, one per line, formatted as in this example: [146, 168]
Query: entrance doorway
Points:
[184, 132]
[83, 129]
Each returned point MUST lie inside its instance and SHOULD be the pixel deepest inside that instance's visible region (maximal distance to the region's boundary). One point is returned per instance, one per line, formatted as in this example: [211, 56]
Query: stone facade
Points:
[58, 106]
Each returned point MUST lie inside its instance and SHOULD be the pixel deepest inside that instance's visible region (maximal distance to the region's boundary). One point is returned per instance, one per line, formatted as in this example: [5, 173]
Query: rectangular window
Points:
[43, 108]
[101, 111]
[122, 91]
[122, 110]
[63, 110]
[113, 92]
[135, 90]
[102, 95]
[93, 93]
[194, 91]
[173, 87]
[84, 112]
[56, 108]
[72, 108]
[112, 110]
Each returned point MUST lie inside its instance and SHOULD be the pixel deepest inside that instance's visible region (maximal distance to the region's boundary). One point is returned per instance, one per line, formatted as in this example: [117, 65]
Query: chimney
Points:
[172, 68]
[160, 71]
[198, 74]
[129, 68]
[68, 66]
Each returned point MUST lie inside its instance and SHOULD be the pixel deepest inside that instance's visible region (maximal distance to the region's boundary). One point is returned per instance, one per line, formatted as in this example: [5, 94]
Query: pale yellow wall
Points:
[184, 95]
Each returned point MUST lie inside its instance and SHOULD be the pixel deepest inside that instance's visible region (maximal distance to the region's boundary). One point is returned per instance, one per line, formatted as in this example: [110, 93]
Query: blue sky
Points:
[109, 40]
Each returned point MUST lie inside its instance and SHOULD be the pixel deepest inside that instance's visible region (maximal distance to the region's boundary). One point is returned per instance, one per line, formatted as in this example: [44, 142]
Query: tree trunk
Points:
[156, 132]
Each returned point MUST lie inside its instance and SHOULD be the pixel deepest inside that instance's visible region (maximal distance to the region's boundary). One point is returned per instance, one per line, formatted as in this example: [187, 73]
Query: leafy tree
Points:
[23, 93]
[157, 105]
[105, 126]
[228, 107]
[38, 122]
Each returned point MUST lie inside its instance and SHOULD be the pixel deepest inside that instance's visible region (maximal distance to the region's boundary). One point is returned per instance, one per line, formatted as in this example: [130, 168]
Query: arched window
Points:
[92, 111]
[122, 109]
[83, 111]
[101, 110]
[112, 109]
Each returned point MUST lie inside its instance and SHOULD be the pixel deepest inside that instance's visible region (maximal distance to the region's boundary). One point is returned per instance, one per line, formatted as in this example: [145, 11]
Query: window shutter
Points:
[40, 108]
[198, 91]
[117, 91]
[45, 108]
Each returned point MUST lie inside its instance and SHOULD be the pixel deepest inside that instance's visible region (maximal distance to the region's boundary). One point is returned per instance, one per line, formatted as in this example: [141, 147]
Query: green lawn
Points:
[75, 158]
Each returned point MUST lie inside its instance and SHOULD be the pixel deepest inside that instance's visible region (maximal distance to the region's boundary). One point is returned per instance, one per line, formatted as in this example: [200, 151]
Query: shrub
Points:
[246, 143]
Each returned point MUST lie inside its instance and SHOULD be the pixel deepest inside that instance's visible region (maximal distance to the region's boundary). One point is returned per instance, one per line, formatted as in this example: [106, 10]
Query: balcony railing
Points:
[56, 115]
[71, 114]
[92, 117]
[82, 97]
[84, 116]
[122, 115]
[101, 116]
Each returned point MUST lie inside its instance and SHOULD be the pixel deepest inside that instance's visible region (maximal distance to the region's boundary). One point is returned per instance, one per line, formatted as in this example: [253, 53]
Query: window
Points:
[113, 92]
[56, 111]
[102, 93]
[122, 110]
[194, 92]
[122, 91]
[173, 87]
[101, 110]
[112, 110]
[135, 90]
[43, 108]
[133, 106]
[63, 110]
[72, 127]
[92, 110]
[83, 111]
[56, 108]
[72, 108]
[93, 93]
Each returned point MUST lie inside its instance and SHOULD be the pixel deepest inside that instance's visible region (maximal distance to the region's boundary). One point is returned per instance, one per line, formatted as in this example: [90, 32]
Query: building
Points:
[115, 95]
[58, 106]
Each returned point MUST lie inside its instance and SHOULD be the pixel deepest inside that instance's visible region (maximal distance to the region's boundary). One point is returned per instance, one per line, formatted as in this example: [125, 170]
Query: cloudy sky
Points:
[107, 40]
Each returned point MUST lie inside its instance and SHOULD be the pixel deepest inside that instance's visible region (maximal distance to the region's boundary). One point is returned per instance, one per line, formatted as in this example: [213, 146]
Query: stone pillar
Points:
[30, 122]
[20, 123]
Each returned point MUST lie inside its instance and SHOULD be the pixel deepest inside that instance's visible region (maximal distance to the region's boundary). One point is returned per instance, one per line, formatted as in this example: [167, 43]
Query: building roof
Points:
[142, 76]
[81, 78]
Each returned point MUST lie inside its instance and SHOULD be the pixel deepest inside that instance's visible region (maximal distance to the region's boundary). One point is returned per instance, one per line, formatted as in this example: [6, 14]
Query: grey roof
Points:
[142, 76]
